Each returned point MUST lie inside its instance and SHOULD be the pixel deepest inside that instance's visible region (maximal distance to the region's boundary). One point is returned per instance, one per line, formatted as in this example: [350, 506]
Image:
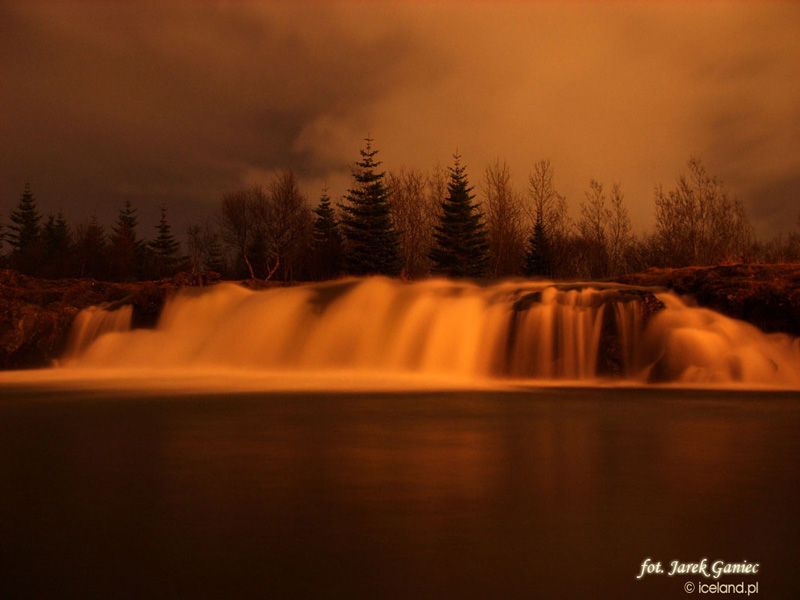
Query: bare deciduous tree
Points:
[201, 240]
[413, 214]
[593, 229]
[505, 217]
[437, 186]
[698, 223]
[237, 218]
[284, 220]
[553, 208]
[197, 245]
[620, 237]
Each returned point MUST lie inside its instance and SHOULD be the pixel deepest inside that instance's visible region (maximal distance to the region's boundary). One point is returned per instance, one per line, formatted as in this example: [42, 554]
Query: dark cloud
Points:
[176, 102]
[180, 102]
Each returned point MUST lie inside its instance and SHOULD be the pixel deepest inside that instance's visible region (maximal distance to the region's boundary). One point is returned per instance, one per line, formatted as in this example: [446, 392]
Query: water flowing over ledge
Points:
[512, 331]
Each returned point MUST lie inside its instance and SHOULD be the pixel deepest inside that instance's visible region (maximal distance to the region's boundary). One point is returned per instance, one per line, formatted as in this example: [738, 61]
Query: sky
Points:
[180, 102]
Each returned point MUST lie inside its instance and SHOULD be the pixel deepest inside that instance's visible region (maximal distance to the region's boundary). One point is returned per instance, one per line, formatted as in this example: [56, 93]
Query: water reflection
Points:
[558, 493]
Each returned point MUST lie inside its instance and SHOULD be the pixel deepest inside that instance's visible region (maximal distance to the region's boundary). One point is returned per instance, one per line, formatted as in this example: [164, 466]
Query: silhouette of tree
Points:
[326, 240]
[215, 257]
[620, 238]
[461, 247]
[552, 207]
[125, 249]
[593, 228]
[165, 248]
[414, 213]
[504, 216]
[58, 247]
[24, 234]
[698, 223]
[371, 241]
[197, 245]
[91, 250]
[538, 259]
[284, 221]
[236, 220]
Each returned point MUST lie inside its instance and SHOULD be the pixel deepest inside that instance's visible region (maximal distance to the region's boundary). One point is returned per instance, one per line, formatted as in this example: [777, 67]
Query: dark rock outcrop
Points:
[768, 296]
[610, 359]
[36, 314]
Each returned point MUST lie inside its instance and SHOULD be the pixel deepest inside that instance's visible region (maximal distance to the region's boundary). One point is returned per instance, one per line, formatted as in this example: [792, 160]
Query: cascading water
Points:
[93, 322]
[510, 330]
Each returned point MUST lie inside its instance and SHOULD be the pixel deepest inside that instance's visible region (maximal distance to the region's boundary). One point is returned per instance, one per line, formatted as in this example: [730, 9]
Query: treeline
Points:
[409, 223]
[49, 247]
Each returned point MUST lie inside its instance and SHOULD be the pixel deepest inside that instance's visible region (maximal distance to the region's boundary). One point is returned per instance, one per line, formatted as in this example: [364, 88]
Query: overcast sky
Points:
[180, 102]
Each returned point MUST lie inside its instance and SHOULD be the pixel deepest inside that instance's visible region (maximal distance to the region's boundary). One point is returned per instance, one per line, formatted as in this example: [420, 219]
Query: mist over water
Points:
[512, 331]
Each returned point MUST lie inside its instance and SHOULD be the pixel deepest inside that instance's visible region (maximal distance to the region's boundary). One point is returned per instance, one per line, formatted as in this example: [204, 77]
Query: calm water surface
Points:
[538, 494]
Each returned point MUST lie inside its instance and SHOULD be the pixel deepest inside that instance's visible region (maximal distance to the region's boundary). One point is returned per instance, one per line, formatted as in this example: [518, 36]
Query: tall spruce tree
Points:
[126, 250]
[127, 218]
[538, 258]
[24, 234]
[165, 248]
[24, 229]
[461, 246]
[372, 245]
[327, 240]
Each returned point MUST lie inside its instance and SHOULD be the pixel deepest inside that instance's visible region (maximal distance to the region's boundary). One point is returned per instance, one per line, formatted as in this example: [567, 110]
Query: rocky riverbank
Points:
[36, 314]
[768, 296]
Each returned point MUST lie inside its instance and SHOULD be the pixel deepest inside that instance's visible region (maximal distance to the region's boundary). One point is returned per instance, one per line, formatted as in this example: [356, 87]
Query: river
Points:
[536, 493]
[374, 439]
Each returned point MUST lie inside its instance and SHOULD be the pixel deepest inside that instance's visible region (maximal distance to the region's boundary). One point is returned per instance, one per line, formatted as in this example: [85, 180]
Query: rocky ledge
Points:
[36, 314]
[768, 296]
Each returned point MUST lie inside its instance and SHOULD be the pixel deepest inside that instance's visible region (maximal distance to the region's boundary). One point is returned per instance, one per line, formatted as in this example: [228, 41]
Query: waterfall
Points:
[511, 330]
[93, 322]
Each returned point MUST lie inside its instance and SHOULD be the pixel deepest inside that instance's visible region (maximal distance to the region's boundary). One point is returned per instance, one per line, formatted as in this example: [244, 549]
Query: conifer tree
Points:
[165, 247]
[24, 234]
[56, 234]
[127, 219]
[461, 246]
[549, 252]
[126, 249]
[538, 259]
[327, 240]
[24, 230]
[371, 241]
